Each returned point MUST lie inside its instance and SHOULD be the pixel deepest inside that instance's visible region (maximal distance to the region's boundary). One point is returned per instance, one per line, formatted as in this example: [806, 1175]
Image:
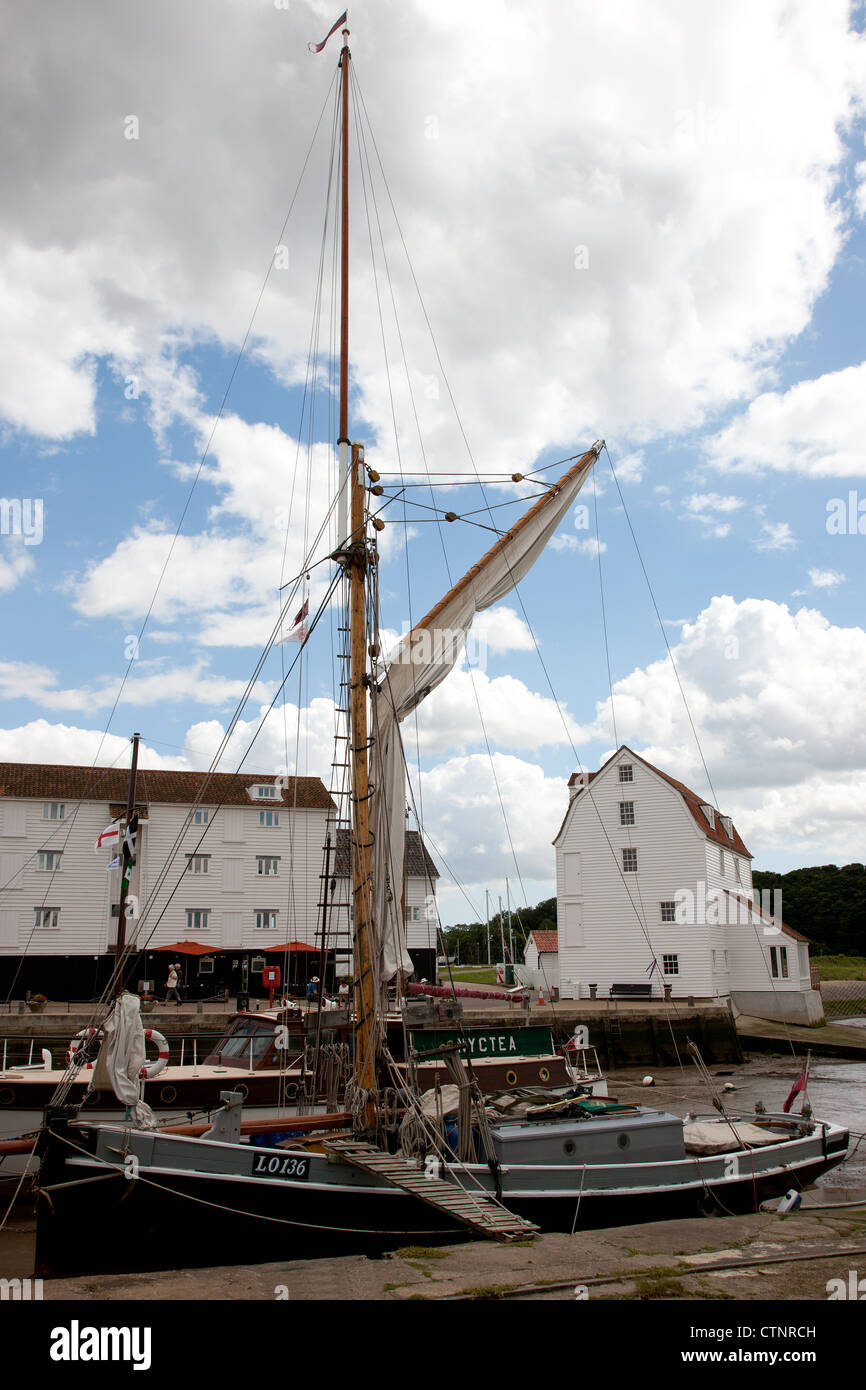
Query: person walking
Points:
[171, 984]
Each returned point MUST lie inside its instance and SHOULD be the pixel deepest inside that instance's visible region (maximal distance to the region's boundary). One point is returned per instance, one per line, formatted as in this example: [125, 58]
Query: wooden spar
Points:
[500, 545]
[365, 994]
[355, 559]
[345, 58]
[120, 943]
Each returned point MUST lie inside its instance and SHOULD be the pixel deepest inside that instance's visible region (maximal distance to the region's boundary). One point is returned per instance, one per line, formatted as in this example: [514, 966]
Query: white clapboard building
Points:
[246, 878]
[654, 889]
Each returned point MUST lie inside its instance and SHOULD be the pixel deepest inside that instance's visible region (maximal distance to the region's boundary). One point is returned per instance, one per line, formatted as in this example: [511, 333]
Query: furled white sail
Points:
[422, 660]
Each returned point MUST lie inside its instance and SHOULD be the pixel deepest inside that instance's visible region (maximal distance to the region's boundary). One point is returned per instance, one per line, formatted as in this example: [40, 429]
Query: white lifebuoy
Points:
[161, 1060]
[76, 1043]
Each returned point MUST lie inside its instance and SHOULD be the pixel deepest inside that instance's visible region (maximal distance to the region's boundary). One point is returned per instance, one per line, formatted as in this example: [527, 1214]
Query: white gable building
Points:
[654, 888]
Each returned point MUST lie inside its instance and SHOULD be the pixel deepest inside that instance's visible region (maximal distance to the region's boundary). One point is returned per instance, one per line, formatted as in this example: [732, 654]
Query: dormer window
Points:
[266, 791]
[710, 815]
[727, 826]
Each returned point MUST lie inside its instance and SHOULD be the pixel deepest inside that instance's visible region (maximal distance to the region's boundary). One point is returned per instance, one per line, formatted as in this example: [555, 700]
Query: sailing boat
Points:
[394, 1167]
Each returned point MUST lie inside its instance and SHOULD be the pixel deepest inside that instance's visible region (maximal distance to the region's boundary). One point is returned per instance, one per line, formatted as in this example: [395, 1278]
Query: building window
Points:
[779, 962]
[200, 816]
[626, 813]
[413, 914]
[46, 918]
[49, 860]
[626, 772]
[710, 815]
[671, 964]
[198, 863]
[196, 918]
[669, 912]
[266, 919]
[737, 870]
[268, 864]
[53, 810]
[266, 792]
[629, 860]
[269, 818]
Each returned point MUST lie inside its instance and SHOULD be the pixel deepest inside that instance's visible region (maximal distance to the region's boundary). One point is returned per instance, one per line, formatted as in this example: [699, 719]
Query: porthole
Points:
[93, 1098]
[244, 1090]
[622, 1141]
[543, 1074]
[7, 1096]
[511, 1078]
[291, 1090]
[569, 1146]
[168, 1095]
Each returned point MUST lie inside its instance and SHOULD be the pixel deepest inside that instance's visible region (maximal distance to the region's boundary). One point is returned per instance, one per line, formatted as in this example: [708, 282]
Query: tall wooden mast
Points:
[355, 558]
[126, 857]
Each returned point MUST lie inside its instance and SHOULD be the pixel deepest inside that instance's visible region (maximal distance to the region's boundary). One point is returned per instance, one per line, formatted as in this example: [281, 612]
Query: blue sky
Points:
[674, 260]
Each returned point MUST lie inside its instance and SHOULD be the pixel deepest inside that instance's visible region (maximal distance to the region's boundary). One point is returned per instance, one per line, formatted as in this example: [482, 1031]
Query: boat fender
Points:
[151, 1069]
[790, 1202]
[84, 1035]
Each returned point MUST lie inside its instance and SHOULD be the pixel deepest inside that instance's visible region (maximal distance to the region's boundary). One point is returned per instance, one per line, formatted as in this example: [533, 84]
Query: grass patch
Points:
[389, 1287]
[421, 1252]
[474, 975]
[490, 1290]
[660, 1288]
[840, 967]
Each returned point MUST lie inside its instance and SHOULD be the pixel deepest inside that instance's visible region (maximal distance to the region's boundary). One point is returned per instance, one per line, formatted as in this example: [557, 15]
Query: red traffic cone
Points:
[540, 996]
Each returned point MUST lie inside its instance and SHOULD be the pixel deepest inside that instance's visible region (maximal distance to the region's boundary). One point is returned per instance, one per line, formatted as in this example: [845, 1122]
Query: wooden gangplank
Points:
[475, 1210]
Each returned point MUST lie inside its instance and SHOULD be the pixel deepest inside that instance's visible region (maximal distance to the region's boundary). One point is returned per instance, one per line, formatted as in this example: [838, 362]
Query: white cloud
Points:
[825, 579]
[631, 468]
[776, 535]
[465, 821]
[696, 173]
[776, 698]
[700, 503]
[514, 716]
[150, 683]
[501, 629]
[41, 742]
[586, 545]
[816, 428]
[16, 561]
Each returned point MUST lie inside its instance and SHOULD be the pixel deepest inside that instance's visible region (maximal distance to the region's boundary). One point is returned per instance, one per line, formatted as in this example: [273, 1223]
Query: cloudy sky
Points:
[642, 223]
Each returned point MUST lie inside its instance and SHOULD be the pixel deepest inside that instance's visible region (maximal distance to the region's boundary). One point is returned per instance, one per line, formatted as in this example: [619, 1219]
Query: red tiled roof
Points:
[694, 803]
[547, 942]
[109, 784]
[767, 916]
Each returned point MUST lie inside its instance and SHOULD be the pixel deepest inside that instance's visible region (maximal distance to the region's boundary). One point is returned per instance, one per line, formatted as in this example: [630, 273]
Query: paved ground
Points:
[767, 1257]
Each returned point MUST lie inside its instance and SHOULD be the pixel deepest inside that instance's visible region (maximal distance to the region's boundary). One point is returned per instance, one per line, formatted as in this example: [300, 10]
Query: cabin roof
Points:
[109, 784]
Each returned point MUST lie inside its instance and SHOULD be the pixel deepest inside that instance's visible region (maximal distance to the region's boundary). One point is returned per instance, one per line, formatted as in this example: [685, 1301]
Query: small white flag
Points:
[115, 863]
[109, 836]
